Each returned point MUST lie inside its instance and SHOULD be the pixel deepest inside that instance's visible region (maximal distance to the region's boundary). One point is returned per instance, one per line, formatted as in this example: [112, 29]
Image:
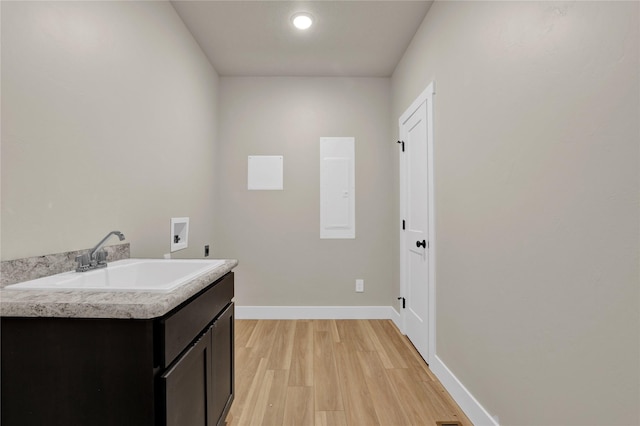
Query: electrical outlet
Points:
[206, 250]
[359, 286]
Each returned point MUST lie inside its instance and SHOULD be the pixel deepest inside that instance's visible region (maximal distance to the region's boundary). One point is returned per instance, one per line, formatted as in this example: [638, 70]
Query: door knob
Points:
[422, 244]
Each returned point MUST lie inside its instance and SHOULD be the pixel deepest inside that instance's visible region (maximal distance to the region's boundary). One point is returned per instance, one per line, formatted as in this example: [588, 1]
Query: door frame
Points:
[425, 97]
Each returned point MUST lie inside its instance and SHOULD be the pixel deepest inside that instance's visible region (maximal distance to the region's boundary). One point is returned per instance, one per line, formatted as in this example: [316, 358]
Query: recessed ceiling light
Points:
[302, 20]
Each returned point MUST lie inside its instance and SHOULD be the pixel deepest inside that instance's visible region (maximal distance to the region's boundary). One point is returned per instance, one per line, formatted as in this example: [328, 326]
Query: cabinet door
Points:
[223, 369]
[187, 387]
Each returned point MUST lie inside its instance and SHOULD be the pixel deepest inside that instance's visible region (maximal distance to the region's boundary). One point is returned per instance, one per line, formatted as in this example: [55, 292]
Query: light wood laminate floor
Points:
[333, 372]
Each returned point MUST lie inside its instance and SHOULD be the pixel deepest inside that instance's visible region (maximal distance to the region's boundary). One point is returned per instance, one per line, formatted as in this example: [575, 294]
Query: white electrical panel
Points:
[337, 187]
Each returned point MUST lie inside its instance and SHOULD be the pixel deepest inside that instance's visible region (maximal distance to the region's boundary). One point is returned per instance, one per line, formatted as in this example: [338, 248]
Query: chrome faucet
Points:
[97, 257]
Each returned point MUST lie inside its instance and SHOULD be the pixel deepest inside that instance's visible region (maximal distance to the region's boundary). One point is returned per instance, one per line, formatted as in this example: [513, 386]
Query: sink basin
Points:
[155, 275]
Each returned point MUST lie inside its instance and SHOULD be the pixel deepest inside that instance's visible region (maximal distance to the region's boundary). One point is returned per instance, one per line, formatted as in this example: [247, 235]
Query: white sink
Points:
[155, 275]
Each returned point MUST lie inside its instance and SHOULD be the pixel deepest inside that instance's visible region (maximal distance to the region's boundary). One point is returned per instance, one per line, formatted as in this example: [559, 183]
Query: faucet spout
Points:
[99, 246]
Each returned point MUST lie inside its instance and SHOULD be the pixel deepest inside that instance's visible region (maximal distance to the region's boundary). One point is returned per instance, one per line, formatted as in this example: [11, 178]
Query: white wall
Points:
[108, 122]
[276, 234]
[537, 203]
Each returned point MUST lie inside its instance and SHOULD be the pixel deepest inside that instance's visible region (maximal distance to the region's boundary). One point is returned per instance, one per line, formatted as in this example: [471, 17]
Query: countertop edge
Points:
[105, 305]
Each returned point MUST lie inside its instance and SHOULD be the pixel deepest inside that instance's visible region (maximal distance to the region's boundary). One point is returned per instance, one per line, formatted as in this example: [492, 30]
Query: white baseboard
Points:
[471, 407]
[396, 318]
[315, 312]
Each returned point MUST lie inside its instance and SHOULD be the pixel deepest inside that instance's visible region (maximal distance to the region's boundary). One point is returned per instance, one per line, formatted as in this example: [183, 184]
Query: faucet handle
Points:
[83, 262]
[101, 257]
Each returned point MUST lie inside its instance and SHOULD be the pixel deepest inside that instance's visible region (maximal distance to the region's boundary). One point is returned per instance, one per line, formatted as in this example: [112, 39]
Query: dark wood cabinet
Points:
[187, 386]
[176, 370]
[222, 335]
[198, 386]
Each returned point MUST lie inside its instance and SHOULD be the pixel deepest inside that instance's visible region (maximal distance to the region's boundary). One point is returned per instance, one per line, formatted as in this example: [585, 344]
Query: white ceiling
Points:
[348, 38]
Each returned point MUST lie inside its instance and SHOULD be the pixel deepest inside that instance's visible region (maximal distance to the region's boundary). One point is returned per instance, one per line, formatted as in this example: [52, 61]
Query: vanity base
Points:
[105, 372]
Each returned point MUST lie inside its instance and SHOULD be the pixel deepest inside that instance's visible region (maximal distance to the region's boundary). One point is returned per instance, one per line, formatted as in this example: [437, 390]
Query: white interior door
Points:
[415, 180]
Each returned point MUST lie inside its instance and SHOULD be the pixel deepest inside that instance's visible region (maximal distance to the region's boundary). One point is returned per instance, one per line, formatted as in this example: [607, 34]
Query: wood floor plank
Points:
[358, 404]
[409, 354]
[333, 328]
[327, 325]
[274, 411]
[252, 393]
[331, 418]
[353, 331]
[301, 370]
[385, 400]
[328, 396]
[416, 361]
[321, 325]
[244, 376]
[243, 330]
[446, 407]
[377, 344]
[280, 356]
[393, 352]
[417, 407]
[298, 409]
[262, 338]
[260, 405]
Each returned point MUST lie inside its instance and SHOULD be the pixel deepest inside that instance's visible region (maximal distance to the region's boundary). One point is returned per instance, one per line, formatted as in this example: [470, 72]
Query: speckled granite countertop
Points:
[103, 304]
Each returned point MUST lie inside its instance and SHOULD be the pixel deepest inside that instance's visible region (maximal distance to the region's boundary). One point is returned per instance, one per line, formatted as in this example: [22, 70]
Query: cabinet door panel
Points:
[187, 386]
[179, 328]
[222, 364]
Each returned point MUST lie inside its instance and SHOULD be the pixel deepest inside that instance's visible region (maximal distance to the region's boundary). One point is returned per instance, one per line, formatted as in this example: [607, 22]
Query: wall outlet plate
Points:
[359, 286]
[206, 250]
